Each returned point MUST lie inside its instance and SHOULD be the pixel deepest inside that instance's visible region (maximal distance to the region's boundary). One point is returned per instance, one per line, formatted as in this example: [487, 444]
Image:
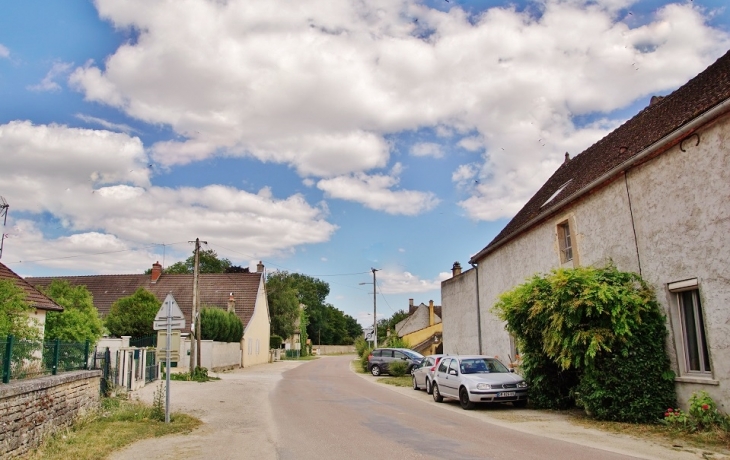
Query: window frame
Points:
[679, 290]
[565, 241]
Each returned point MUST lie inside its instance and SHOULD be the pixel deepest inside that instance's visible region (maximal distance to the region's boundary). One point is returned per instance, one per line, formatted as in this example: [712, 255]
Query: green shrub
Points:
[360, 345]
[593, 336]
[220, 325]
[704, 411]
[394, 341]
[397, 368]
[364, 358]
[275, 342]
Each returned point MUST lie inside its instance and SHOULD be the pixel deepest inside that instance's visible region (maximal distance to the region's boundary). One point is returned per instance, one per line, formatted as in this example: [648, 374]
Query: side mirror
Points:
[511, 369]
[453, 372]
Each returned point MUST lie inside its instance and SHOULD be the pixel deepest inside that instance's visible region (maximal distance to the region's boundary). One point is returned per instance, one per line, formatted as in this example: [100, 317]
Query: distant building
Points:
[422, 329]
[39, 301]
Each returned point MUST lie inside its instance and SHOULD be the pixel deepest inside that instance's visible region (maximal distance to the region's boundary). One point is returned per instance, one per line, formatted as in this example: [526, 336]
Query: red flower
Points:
[705, 407]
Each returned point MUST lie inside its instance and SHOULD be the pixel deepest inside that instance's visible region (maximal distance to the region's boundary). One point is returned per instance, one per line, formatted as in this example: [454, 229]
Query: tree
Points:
[133, 315]
[389, 323]
[208, 263]
[79, 321]
[220, 325]
[283, 303]
[14, 313]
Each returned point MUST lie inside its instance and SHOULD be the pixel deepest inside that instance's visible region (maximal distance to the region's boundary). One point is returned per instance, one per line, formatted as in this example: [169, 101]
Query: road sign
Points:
[175, 315]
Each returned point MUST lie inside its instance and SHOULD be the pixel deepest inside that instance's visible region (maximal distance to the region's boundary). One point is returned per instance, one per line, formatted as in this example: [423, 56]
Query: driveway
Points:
[322, 409]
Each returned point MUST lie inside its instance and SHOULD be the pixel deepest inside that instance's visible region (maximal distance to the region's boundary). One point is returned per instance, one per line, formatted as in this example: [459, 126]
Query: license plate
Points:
[505, 394]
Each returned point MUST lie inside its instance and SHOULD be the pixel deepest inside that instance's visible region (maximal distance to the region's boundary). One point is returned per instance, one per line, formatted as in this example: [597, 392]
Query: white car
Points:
[422, 374]
[477, 379]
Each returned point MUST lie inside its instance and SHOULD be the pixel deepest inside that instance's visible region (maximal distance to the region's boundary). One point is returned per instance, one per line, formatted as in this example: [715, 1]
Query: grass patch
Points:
[301, 358]
[117, 424]
[716, 439]
[403, 381]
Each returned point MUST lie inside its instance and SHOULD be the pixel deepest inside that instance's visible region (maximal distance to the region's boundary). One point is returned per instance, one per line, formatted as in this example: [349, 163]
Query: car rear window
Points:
[377, 352]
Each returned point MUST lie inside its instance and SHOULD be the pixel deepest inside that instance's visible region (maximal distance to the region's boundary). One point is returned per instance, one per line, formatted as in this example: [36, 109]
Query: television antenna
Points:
[4, 214]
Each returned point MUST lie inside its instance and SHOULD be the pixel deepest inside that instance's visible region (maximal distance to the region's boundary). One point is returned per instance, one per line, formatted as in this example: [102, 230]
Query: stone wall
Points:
[31, 409]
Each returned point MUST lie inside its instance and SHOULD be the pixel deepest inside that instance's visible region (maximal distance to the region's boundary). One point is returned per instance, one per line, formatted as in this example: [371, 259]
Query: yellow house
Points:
[423, 328]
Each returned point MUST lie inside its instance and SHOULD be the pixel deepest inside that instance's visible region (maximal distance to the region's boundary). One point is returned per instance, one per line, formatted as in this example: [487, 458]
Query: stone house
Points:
[422, 328]
[653, 197]
[40, 302]
[243, 293]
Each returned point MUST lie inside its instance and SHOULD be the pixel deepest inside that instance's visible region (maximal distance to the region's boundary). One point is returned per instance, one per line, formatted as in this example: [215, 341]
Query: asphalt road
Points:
[323, 410]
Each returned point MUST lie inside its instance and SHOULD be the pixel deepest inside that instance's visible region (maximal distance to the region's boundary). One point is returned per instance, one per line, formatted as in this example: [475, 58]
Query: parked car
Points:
[379, 359]
[423, 373]
[477, 379]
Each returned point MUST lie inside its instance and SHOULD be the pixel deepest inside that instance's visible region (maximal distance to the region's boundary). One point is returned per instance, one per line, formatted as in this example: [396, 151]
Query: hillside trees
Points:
[79, 321]
[133, 315]
[209, 262]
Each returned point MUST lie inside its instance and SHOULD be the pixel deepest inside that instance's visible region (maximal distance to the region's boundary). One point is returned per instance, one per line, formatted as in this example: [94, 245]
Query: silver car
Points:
[475, 379]
[422, 374]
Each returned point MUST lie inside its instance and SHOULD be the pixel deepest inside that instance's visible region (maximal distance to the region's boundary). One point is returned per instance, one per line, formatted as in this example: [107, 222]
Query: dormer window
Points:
[557, 192]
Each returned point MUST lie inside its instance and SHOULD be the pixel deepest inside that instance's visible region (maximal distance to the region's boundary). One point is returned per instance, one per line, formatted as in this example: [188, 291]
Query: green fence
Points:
[23, 359]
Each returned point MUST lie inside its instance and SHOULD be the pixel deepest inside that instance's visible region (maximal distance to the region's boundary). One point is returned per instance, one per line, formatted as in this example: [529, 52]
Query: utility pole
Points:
[196, 310]
[4, 214]
[375, 311]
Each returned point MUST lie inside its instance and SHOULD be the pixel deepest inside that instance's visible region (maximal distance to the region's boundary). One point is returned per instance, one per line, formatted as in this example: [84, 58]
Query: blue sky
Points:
[324, 137]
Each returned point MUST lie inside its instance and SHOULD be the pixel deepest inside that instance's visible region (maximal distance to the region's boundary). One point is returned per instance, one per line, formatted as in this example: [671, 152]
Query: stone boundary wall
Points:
[333, 349]
[31, 409]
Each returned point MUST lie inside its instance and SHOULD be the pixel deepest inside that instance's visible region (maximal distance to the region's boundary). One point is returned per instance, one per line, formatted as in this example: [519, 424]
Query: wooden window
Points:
[697, 356]
[565, 242]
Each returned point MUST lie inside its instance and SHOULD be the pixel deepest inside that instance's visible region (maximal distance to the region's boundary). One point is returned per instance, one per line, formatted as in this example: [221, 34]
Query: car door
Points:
[441, 372]
[386, 359]
[400, 356]
[450, 385]
[422, 370]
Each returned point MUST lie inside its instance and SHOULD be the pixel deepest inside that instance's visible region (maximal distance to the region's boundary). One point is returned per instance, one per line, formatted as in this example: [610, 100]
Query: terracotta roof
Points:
[32, 295]
[702, 93]
[215, 289]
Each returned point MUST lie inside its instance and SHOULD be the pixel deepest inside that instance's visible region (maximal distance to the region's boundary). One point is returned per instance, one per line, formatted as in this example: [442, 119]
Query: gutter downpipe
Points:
[479, 313]
[676, 135]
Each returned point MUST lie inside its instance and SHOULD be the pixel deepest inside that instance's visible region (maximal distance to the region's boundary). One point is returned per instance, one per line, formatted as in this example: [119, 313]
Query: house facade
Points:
[242, 293]
[652, 197]
[40, 302]
[422, 329]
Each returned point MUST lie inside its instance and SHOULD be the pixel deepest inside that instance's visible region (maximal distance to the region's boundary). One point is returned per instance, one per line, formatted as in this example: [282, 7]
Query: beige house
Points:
[422, 329]
[39, 301]
[653, 197]
[242, 293]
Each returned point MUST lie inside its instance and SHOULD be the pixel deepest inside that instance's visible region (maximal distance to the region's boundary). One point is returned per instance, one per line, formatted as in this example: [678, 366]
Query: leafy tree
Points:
[283, 303]
[389, 323]
[14, 313]
[220, 325]
[597, 334]
[133, 315]
[208, 263]
[80, 319]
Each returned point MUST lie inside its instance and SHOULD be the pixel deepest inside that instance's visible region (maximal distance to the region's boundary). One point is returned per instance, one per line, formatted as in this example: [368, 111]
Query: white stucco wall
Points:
[681, 213]
[255, 343]
[459, 314]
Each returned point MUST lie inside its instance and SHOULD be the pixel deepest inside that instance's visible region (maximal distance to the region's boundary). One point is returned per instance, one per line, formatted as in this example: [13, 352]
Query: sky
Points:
[324, 137]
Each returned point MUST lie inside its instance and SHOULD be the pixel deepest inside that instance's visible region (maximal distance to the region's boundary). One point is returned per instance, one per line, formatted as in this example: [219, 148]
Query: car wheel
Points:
[521, 404]
[375, 370]
[466, 404]
[415, 384]
[436, 393]
[429, 388]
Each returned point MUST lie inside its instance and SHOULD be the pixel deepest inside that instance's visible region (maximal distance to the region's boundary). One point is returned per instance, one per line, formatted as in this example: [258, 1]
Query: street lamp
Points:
[375, 310]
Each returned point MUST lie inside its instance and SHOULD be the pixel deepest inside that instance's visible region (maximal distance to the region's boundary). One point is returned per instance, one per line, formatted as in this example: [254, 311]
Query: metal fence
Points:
[23, 359]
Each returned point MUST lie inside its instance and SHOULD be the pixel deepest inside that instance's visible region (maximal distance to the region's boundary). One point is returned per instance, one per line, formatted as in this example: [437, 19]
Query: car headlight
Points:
[522, 384]
[484, 386]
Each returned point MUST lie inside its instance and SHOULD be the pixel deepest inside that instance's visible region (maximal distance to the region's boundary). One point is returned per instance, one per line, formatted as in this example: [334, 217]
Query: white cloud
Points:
[4, 51]
[106, 124]
[391, 282]
[97, 185]
[464, 174]
[375, 192]
[320, 83]
[48, 83]
[427, 149]
[471, 143]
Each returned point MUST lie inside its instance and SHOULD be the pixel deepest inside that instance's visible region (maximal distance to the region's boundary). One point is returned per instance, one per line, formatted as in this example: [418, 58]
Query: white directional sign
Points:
[177, 319]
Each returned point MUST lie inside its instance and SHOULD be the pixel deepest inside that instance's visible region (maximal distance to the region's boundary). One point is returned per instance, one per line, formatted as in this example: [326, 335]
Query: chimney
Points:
[655, 100]
[567, 158]
[231, 304]
[411, 308]
[156, 272]
[259, 267]
[456, 269]
[431, 320]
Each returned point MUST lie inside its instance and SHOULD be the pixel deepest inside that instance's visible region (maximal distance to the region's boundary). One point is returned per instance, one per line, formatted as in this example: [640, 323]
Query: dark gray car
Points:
[379, 359]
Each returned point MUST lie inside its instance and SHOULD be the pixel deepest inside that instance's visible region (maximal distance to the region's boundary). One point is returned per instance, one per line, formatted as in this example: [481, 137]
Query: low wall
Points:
[31, 409]
[215, 356]
[333, 349]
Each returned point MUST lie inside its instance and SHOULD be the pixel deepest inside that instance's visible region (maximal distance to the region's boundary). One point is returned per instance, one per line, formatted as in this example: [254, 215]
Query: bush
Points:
[275, 342]
[703, 415]
[397, 368]
[593, 336]
[364, 358]
[394, 341]
[220, 325]
[133, 315]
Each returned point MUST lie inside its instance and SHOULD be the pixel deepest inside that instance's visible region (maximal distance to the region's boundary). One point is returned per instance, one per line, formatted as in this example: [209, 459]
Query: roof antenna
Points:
[4, 214]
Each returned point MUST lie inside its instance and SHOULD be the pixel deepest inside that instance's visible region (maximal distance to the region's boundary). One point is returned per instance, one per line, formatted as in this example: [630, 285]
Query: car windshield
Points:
[413, 354]
[482, 366]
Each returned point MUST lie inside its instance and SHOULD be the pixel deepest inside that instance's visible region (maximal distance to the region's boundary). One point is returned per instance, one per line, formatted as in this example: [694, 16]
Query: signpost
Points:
[168, 317]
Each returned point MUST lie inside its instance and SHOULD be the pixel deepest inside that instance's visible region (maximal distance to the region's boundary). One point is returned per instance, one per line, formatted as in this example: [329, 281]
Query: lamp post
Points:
[375, 309]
